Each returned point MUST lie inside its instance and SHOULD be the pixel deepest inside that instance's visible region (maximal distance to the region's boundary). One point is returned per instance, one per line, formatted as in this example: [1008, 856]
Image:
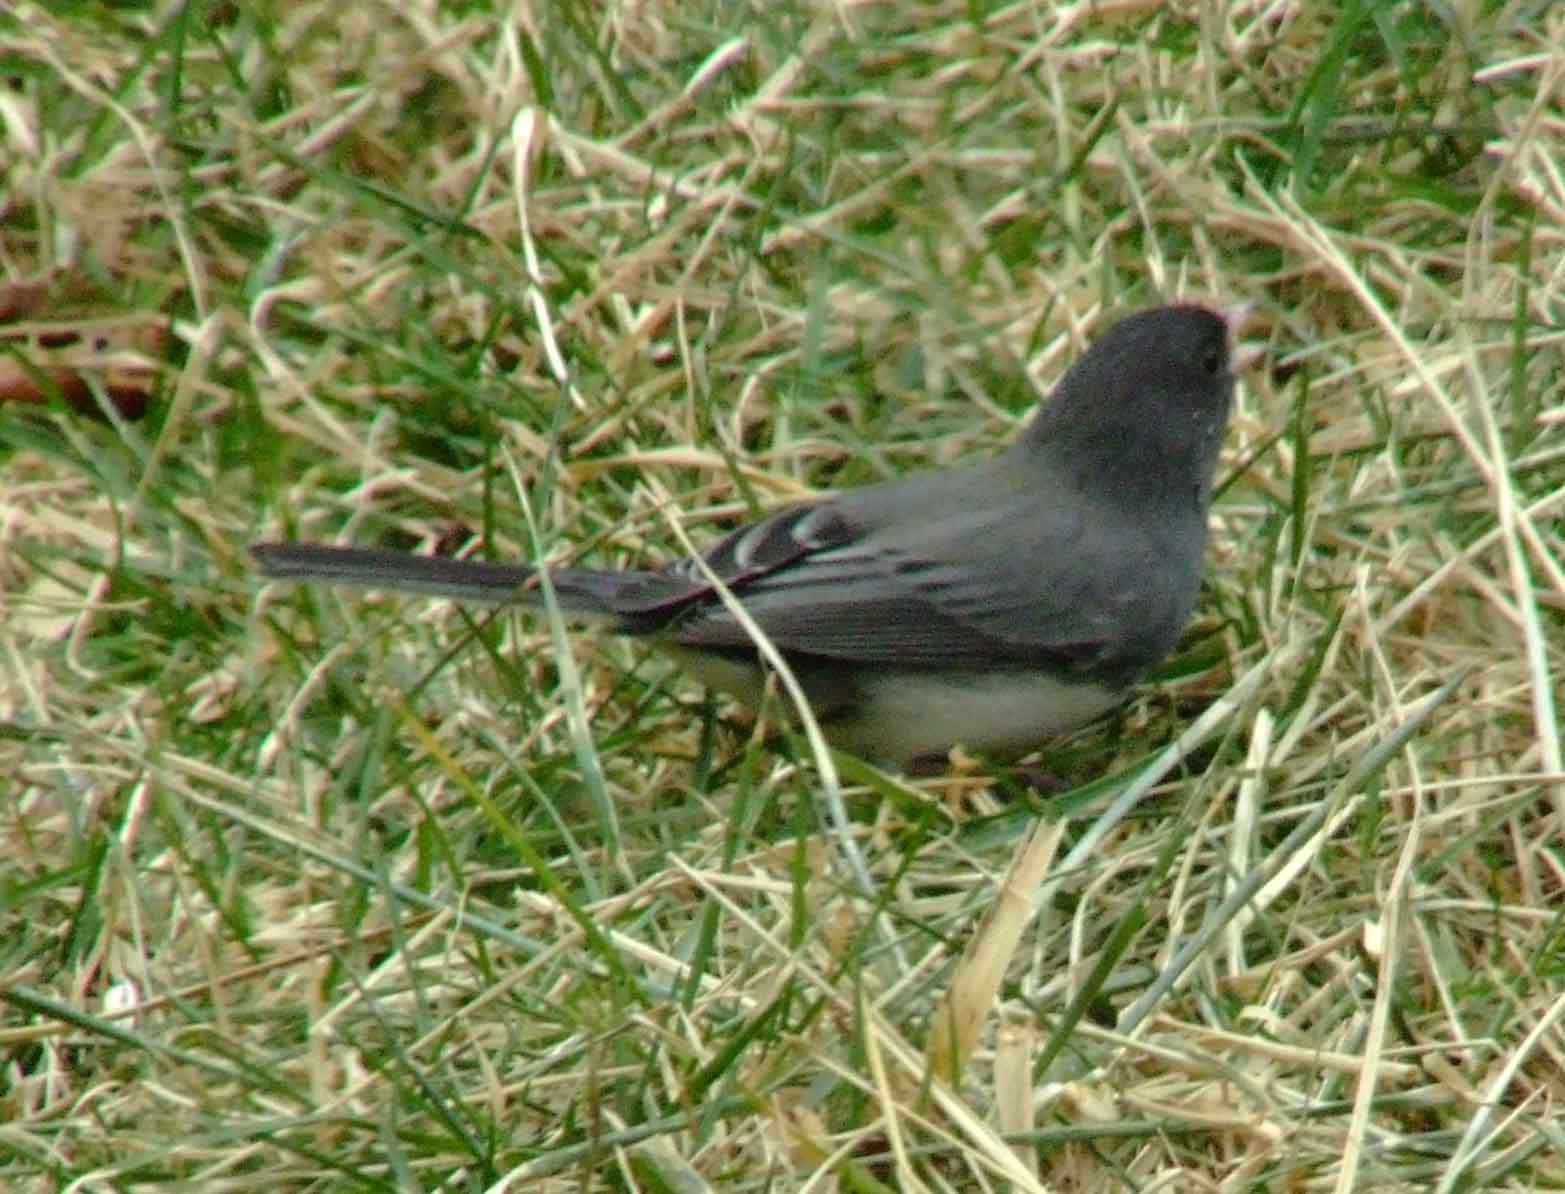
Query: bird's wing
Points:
[826, 581]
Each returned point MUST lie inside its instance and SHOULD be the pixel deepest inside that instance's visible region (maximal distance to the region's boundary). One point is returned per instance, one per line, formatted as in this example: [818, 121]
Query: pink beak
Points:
[1237, 317]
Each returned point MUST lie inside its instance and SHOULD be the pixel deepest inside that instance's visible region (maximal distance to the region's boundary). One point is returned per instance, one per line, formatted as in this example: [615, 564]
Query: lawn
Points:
[315, 890]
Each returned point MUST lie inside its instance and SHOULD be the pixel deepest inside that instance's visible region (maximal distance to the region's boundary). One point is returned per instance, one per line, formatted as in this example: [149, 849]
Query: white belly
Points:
[913, 715]
[900, 717]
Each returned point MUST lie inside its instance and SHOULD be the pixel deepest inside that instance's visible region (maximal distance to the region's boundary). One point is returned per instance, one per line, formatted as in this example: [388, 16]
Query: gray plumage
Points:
[992, 605]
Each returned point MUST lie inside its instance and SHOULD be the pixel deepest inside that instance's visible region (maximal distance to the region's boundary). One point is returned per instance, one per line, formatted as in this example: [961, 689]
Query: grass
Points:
[320, 891]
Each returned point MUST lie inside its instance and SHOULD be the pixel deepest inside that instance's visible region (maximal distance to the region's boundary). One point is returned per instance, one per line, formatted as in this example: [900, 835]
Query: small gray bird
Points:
[992, 606]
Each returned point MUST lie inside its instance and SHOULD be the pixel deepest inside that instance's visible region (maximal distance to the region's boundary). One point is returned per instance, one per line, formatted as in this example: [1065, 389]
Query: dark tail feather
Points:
[582, 593]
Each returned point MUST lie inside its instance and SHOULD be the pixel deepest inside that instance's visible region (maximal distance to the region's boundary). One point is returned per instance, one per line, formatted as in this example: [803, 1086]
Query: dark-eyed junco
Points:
[993, 605]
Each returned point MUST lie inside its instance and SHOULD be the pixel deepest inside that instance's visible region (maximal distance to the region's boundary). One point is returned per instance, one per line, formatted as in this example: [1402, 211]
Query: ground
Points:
[307, 890]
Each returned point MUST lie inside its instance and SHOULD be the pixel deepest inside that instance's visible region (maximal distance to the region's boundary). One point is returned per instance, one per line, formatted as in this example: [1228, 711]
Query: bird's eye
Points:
[1212, 360]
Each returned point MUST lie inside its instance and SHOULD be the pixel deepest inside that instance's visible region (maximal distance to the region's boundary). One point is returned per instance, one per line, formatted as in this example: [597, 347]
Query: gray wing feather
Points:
[976, 568]
[917, 592]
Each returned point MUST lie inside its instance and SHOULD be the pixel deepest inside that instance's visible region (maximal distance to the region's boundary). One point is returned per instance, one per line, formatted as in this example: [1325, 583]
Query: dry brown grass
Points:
[314, 891]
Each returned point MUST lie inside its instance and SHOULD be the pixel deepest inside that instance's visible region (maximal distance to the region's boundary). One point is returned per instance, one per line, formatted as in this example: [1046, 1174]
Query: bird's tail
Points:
[583, 594]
